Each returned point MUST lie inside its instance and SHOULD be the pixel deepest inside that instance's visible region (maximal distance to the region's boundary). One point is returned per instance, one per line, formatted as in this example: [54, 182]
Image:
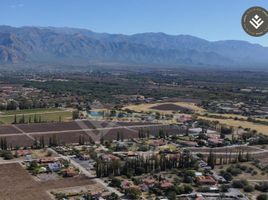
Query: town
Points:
[146, 148]
[133, 100]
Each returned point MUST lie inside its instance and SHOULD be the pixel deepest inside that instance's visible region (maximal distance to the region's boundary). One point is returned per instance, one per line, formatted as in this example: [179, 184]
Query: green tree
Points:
[75, 114]
[133, 193]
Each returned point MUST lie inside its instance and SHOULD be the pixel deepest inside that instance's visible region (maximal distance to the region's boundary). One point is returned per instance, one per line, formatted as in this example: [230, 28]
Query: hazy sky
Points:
[208, 19]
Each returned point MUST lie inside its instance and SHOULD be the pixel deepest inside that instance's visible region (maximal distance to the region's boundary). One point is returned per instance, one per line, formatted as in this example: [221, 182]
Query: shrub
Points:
[7, 155]
[239, 183]
[263, 187]
[227, 176]
[254, 173]
[115, 182]
[248, 188]
[133, 193]
[235, 171]
[188, 189]
[262, 197]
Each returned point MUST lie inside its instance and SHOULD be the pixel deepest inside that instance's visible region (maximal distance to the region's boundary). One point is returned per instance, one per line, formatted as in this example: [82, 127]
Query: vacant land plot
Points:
[17, 184]
[237, 123]
[256, 177]
[233, 149]
[73, 191]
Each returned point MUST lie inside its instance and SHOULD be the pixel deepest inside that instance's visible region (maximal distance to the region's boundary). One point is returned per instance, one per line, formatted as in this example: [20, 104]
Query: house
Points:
[199, 197]
[188, 143]
[215, 141]
[165, 184]
[84, 157]
[195, 131]
[109, 157]
[157, 143]
[70, 172]
[126, 184]
[144, 187]
[205, 180]
[47, 160]
[218, 178]
[132, 154]
[150, 182]
[198, 174]
[23, 152]
[54, 167]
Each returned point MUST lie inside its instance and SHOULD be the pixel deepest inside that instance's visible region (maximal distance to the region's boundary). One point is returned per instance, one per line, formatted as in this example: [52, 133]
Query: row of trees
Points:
[140, 165]
[29, 119]
[228, 157]
[3, 144]
[23, 103]
[23, 120]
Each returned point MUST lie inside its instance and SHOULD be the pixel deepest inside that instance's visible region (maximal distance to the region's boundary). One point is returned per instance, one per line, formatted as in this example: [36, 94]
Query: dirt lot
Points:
[17, 184]
[169, 106]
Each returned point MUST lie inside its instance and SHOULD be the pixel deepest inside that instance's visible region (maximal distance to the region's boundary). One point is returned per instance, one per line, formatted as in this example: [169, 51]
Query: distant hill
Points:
[37, 45]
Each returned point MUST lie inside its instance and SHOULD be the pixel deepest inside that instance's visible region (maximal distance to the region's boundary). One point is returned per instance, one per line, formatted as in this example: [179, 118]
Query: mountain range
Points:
[50, 45]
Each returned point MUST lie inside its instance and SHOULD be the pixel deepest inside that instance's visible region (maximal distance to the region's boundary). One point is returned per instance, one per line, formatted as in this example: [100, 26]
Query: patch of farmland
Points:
[8, 129]
[169, 107]
[19, 140]
[46, 127]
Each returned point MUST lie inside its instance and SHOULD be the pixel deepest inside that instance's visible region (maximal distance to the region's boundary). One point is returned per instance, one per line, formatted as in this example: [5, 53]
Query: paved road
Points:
[88, 174]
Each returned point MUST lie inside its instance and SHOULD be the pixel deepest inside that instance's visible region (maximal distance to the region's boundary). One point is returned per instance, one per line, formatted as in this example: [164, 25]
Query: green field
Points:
[46, 115]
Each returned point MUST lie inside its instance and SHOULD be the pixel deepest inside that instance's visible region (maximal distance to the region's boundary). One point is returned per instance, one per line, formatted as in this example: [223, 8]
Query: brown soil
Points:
[17, 184]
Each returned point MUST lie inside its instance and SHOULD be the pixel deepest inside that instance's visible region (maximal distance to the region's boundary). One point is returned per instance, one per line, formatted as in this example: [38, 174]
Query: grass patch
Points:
[47, 115]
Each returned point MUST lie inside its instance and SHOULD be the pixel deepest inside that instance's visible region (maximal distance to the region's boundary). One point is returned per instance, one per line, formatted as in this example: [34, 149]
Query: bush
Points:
[224, 188]
[248, 188]
[254, 173]
[115, 182]
[239, 183]
[203, 189]
[226, 175]
[263, 187]
[188, 179]
[243, 167]
[262, 197]
[235, 171]
[133, 193]
[7, 155]
[113, 196]
[188, 189]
